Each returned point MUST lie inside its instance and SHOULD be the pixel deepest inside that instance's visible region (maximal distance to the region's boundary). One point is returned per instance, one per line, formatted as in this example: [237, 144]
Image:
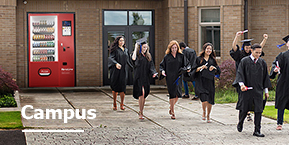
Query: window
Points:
[115, 17]
[140, 17]
[209, 28]
[121, 17]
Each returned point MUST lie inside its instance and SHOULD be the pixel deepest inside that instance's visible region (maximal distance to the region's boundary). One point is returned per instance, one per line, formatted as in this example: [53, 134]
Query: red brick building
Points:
[159, 20]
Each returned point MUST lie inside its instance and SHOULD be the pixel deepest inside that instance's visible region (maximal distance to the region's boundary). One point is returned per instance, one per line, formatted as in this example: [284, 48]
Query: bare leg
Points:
[172, 102]
[121, 100]
[141, 101]
[204, 106]
[114, 94]
[176, 100]
[209, 108]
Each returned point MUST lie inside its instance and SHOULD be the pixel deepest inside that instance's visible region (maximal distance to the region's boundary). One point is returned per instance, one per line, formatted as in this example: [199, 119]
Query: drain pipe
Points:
[246, 18]
[186, 21]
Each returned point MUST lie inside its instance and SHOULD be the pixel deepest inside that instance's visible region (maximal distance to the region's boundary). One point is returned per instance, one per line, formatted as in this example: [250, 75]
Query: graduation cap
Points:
[141, 41]
[246, 42]
[286, 39]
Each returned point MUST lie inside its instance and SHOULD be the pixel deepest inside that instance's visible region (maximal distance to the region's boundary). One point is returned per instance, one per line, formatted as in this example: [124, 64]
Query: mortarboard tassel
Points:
[177, 81]
[279, 46]
[140, 48]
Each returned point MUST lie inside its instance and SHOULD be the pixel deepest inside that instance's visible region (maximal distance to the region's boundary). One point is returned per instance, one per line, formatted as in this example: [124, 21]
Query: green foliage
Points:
[231, 96]
[10, 120]
[226, 96]
[271, 112]
[7, 101]
[274, 83]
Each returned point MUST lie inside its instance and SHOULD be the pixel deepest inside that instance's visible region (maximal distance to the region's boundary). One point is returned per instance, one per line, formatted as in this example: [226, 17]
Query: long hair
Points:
[212, 55]
[114, 45]
[173, 42]
[147, 53]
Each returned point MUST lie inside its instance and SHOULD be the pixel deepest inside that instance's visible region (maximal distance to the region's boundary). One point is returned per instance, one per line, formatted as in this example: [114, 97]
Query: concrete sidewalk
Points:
[124, 127]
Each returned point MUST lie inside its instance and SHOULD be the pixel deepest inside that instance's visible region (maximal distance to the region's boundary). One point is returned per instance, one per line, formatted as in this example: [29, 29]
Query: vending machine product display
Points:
[51, 50]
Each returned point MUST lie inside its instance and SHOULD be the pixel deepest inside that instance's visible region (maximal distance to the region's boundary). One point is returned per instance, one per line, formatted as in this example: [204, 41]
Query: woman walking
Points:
[143, 70]
[205, 69]
[117, 62]
[172, 66]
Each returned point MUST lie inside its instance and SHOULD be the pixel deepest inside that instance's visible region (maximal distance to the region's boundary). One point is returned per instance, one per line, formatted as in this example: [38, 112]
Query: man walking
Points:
[190, 54]
[252, 78]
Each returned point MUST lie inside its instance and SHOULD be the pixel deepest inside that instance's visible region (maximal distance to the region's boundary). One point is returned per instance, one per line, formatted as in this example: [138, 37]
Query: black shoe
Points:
[240, 127]
[186, 96]
[258, 134]
[195, 98]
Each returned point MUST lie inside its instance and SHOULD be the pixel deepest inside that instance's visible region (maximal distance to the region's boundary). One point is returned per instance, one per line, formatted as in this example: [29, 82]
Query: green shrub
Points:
[8, 101]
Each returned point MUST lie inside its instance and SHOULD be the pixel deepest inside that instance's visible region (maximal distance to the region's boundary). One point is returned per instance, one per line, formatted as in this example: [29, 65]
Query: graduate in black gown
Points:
[143, 70]
[205, 68]
[252, 78]
[190, 54]
[281, 65]
[172, 66]
[117, 62]
[238, 54]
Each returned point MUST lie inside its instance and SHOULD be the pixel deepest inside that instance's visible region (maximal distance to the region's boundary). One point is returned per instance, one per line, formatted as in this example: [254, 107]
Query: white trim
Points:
[52, 130]
[210, 24]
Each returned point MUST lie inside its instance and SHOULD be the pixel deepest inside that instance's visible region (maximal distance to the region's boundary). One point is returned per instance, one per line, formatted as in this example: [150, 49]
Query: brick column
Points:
[8, 36]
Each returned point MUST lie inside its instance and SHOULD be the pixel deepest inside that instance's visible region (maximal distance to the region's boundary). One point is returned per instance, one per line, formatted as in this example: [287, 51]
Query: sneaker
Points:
[185, 96]
[195, 98]
[279, 127]
[249, 117]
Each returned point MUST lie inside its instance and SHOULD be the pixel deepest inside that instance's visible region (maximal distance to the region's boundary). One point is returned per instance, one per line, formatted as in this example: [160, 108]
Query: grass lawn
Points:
[271, 112]
[10, 120]
[231, 96]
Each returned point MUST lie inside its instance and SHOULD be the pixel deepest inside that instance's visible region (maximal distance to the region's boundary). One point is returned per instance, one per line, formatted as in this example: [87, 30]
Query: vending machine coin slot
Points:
[64, 63]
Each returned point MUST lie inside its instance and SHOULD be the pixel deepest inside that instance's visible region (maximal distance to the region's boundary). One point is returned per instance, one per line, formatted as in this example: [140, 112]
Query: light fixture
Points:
[25, 2]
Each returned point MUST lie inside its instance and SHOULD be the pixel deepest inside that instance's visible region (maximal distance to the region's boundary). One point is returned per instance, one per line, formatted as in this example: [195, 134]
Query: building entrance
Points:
[138, 25]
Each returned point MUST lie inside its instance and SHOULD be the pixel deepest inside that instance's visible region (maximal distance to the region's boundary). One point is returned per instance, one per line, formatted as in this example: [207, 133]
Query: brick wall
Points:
[273, 20]
[8, 36]
[231, 23]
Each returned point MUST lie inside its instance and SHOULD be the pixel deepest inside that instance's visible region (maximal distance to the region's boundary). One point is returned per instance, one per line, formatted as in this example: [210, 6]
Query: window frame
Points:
[127, 16]
[204, 24]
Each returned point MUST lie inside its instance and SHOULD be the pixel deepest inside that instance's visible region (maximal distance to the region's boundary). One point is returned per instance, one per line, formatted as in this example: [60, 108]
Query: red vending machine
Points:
[51, 61]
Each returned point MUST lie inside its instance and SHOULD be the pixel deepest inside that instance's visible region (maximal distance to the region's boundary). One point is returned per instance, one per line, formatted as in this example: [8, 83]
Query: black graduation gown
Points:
[174, 67]
[282, 93]
[118, 77]
[190, 54]
[252, 75]
[238, 55]
[143, 71]
[205, 83]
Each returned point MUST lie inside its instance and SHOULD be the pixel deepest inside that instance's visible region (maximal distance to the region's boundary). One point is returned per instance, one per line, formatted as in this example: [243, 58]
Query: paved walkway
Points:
[124, 127]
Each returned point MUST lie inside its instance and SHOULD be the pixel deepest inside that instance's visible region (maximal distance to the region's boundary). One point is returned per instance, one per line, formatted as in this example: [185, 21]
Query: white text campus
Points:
[67, 113]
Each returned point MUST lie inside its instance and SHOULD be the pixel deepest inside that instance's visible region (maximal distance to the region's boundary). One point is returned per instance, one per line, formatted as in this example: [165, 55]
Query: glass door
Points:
[131, 34]
[109, 34]
[136, 33]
